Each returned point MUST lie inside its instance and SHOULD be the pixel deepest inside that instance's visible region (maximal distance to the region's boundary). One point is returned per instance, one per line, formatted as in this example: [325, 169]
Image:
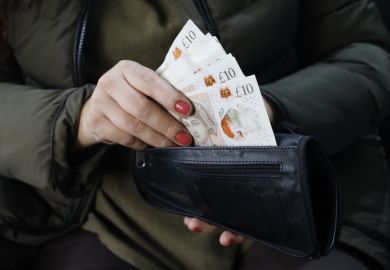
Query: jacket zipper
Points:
[205, 12]
[78, 58]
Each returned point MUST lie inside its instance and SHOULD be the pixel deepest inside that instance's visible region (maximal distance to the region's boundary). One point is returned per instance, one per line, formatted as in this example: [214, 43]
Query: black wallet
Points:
[286, 197]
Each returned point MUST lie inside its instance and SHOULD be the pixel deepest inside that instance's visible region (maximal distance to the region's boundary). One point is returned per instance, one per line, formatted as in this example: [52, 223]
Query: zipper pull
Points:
[140, 159]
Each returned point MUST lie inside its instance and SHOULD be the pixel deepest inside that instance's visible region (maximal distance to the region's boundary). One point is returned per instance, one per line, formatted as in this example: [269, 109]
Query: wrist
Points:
[270, 110]
[84, 137]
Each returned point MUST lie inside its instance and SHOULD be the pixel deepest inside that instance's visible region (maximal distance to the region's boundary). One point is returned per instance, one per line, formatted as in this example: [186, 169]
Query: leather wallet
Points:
[286, 197]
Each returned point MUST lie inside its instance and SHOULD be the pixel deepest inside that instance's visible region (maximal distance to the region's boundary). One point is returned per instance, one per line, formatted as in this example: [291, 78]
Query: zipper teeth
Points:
[80, 53]
[211, 21]
[204, 11]
[79, 78]
[235, 168]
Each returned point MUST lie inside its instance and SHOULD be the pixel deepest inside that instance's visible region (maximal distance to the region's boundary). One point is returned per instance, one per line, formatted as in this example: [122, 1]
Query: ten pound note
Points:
[188, 36]
[228, 107]
[241, 114]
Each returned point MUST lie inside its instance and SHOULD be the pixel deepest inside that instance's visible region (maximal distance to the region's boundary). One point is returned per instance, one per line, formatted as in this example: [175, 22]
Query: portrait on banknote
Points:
[201, 125]
[239, 124]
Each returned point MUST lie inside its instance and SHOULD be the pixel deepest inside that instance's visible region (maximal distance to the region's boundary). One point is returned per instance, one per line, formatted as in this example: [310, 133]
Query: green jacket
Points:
[324, 64]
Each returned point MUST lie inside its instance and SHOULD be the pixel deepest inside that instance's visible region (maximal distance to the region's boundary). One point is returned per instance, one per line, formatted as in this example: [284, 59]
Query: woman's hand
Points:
[225, 239]
[130, 107]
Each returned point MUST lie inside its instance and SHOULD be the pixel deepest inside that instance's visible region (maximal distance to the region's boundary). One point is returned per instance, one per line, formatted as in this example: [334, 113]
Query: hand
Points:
[130, 107]
[225, 239]
[270, 109]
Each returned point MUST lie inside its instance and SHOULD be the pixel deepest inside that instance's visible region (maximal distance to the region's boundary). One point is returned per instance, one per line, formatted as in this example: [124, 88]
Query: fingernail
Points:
[183, 138]
[186, 219]
[197, 230]
[182, 107]
[231, 242]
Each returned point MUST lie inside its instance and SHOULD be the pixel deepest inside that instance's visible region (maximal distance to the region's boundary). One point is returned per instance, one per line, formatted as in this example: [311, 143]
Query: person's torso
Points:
[50, 39]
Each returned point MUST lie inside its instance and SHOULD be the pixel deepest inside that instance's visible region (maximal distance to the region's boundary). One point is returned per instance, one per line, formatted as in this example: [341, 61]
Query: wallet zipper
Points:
[220, 167]
[262, 168]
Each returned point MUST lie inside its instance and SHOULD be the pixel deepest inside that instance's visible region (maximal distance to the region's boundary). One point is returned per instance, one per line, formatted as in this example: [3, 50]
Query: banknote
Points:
[206, 52]
[228, 107]
[240, 113]
[187, 37]
[220, 72]
[202, 123]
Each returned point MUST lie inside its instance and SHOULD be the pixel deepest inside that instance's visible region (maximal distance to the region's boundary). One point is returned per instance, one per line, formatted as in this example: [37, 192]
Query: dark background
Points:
[384, 6]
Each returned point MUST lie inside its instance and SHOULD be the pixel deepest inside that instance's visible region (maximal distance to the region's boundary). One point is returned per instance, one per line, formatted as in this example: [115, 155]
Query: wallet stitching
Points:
[266, 148]
[223, 162]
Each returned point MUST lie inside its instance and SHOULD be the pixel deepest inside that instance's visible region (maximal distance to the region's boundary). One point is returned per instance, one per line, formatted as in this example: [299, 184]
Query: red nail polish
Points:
[183, 138]
[182, 107]
[231, 242]
[197, 230]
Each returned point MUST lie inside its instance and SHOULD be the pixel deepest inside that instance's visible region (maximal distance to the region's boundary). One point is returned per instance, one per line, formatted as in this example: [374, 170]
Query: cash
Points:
[188, 37]
[206, 52]
[240, 113]
[228, 106]
[223, 71]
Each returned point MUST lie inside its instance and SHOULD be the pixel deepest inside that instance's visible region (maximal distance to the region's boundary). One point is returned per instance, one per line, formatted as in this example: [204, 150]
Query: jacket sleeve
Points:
[38, 127]
[343, 90]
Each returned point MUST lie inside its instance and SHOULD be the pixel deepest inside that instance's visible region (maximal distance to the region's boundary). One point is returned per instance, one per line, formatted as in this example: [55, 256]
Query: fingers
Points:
[130, 107]
[196, 225]
[132, 126]
[229, 239]
[226, 238]
[144, 113]
[150, 84]
[270, 109]
[106, 132]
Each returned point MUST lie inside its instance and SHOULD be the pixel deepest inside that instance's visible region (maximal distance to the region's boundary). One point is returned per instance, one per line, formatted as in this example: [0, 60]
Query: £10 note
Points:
[206, 52]
[222, 71]
[202, 124]
[228, 107]
[240, 113]
[188, 36]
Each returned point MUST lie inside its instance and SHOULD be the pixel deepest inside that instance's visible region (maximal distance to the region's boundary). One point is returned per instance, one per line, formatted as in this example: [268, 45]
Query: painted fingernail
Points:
[197, 230]
[183, 138]
[231, 242]
[182, 107]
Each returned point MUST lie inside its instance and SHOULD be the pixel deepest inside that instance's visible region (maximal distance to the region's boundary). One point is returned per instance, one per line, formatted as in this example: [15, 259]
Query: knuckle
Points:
[98, 135]
[163, 143]
[150, 79]
[105, 81]
[127, 140]
[93, 121]
[139, 145]
[126, 64]
[170, 128]
[143, 108]
[137, 127]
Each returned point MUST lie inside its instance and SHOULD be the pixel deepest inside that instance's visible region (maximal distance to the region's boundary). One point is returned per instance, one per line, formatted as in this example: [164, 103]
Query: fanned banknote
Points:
[222, 71]
[188, 37]
[203, 124]
[206, 52]
[241, 114]
[228, 107]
